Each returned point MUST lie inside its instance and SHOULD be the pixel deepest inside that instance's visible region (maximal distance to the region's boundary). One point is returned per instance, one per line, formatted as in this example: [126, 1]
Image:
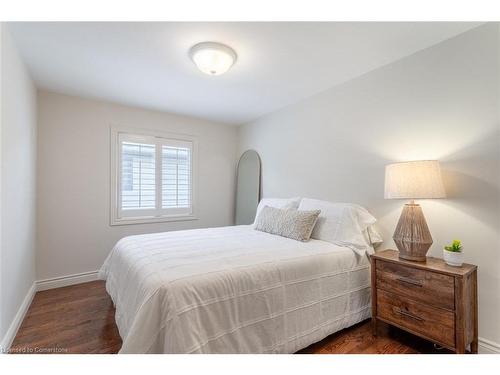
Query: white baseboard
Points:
[18, 319]
[58, 282]
[488, 347]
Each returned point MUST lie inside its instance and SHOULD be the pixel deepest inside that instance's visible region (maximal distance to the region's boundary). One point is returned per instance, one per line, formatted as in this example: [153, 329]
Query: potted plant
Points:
[453, 254]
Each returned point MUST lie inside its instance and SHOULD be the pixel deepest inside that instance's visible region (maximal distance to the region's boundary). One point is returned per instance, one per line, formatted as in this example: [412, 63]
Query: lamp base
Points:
[412, 236]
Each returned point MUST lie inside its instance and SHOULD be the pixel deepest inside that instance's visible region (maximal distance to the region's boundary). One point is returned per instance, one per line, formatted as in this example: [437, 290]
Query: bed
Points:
[232, 290]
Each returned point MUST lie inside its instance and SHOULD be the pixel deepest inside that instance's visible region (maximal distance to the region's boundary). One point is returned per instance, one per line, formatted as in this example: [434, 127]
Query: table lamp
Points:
[413, 180]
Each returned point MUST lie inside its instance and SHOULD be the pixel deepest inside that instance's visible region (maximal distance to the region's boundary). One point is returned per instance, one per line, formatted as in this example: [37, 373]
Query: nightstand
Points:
[429, 299]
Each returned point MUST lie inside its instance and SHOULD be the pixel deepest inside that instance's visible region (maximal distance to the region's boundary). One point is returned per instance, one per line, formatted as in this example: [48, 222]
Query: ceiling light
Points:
[212, 58]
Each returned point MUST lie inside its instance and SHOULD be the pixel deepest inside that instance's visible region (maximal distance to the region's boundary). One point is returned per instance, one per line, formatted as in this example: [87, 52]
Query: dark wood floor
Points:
[80, 319]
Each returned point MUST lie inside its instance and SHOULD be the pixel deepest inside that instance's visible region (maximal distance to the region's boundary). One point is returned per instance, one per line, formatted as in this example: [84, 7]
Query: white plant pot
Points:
[453, 258]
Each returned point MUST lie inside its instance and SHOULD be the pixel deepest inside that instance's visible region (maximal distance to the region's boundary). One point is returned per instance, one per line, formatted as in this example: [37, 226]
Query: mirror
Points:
[247, 187]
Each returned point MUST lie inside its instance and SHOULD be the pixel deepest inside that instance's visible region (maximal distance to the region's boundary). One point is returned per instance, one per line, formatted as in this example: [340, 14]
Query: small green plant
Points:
[455, 247]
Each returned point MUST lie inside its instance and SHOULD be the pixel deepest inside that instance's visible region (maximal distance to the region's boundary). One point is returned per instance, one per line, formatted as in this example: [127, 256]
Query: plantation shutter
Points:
[155, 177]
[138, 176]
[176, 177]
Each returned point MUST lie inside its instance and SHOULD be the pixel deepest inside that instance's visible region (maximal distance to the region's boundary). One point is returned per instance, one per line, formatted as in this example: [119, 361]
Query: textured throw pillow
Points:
[289, 223]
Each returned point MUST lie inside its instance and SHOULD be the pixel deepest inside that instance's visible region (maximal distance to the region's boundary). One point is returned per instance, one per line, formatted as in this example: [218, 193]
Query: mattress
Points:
[232, 290]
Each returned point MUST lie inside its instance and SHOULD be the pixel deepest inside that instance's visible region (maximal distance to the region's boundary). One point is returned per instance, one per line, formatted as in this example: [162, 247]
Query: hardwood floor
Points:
[358, 339]
[73, 319]
[80, 319]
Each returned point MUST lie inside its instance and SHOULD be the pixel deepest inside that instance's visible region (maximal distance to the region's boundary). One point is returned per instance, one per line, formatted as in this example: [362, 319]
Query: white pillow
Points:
[284, 203]
[343, 224]
[374, 236]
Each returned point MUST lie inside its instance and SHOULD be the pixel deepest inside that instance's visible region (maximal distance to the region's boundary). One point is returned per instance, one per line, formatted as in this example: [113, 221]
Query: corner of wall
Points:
[1, 127]
[18, 169]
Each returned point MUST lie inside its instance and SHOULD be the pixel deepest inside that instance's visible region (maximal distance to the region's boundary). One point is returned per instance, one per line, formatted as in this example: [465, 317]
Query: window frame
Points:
[158, 214]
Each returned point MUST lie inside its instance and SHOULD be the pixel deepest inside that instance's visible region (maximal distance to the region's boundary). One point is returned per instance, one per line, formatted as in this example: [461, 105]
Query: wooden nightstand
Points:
[429, 299]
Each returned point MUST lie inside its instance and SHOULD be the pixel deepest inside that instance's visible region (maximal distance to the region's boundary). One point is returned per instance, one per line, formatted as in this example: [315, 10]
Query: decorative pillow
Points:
[285, 203]
[344, 224]
[289, 223]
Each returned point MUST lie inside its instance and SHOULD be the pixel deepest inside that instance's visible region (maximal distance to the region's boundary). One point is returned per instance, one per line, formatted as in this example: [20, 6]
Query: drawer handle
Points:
[407, 314]
[410, 281]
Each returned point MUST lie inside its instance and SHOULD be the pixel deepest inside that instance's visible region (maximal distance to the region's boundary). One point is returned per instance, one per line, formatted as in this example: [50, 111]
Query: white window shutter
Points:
[154, 178]
[176, 177]
[138, 176]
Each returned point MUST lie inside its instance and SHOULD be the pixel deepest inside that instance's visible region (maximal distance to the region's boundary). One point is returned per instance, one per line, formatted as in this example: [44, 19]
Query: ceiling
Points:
[147, 64]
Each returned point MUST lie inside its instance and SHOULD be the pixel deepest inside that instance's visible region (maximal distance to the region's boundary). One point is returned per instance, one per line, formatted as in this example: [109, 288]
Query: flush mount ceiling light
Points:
[212, 58]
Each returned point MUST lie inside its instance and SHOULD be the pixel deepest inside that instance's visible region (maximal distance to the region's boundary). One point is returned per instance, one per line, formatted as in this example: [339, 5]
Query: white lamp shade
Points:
[414, 180]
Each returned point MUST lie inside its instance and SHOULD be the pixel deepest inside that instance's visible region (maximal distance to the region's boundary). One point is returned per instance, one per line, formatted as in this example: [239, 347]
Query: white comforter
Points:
[232, 290]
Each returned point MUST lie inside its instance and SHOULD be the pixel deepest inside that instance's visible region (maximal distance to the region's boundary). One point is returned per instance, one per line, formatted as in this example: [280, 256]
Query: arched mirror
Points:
[247, 187]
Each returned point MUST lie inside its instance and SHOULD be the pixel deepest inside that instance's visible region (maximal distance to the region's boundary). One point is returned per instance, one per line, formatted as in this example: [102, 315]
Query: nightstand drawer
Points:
[424, 286]
[430, 322]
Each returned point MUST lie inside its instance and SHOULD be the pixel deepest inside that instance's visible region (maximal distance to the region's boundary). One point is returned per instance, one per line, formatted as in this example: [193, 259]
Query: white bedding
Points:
[232, 290]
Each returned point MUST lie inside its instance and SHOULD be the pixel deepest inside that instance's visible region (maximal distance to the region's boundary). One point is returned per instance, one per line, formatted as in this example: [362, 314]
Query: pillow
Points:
[285, 203]
[374, 236]
[343, 224]
[290, 223]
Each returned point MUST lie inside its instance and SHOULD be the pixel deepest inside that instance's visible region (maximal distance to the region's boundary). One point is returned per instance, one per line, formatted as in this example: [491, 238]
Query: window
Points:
[152, 177]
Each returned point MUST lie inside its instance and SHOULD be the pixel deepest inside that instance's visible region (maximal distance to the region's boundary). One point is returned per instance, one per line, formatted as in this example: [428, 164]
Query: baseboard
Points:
[488, 347]
[18, 319]
[58, 282]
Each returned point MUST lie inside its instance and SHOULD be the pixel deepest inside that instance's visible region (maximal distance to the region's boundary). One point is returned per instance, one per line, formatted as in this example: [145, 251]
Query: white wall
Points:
[74, 233]
[440, 103]
[18, 155]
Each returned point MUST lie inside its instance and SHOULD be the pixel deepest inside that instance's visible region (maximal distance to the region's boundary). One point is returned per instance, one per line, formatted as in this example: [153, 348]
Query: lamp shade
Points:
[414, 180]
